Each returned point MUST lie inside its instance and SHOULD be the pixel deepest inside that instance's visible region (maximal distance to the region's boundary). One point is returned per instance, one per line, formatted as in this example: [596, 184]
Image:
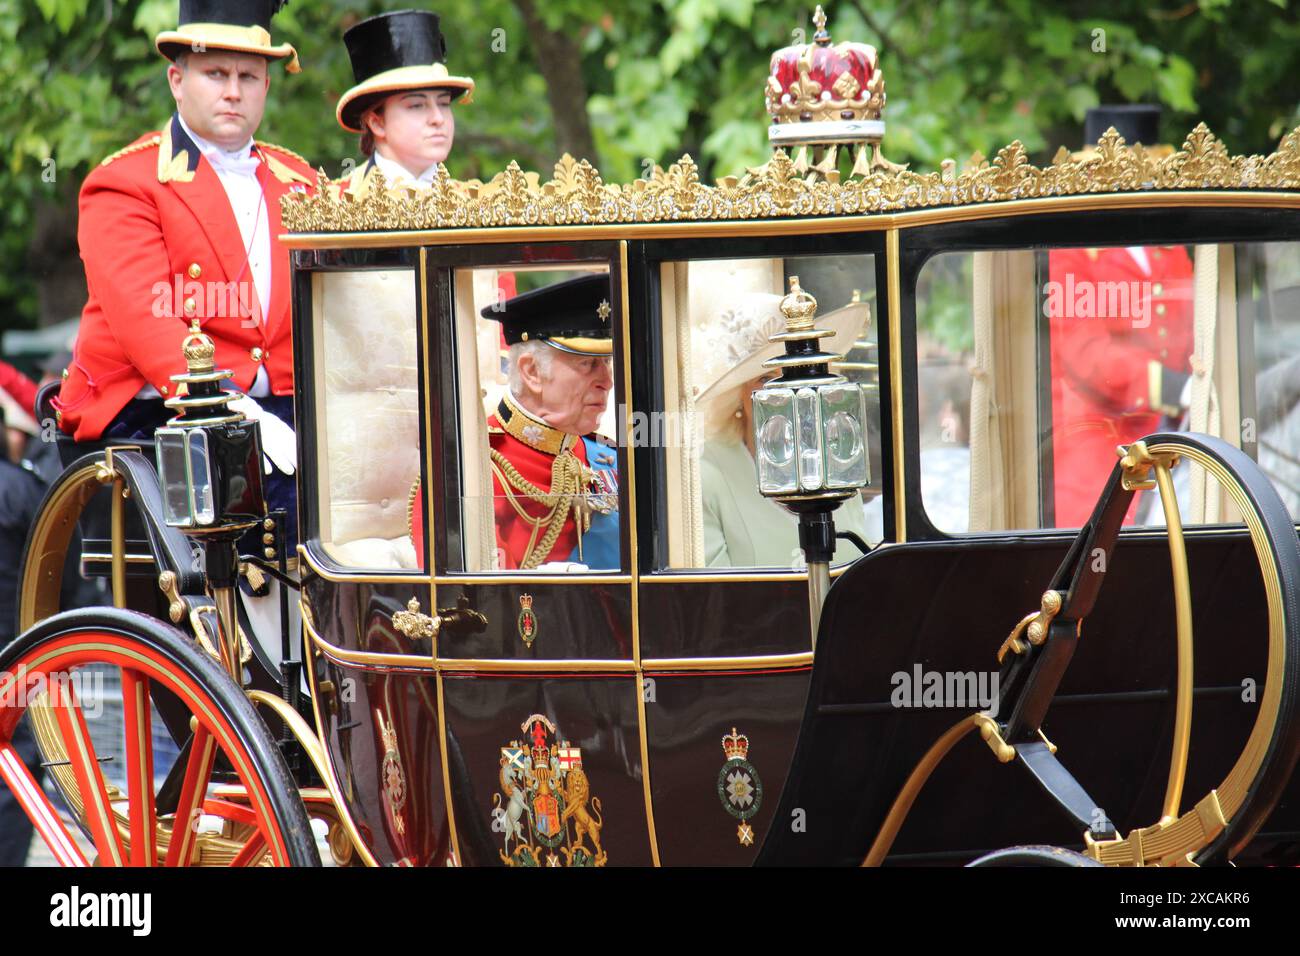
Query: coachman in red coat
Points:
[163, 234]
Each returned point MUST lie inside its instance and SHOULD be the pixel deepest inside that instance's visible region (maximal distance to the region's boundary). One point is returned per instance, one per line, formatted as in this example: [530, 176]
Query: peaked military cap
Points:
[573, 316]
[240, 26]
[392, 52]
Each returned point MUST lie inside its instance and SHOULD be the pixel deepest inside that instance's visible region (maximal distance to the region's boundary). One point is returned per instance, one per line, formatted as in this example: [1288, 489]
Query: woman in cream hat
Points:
[741, 527]
[402, 101]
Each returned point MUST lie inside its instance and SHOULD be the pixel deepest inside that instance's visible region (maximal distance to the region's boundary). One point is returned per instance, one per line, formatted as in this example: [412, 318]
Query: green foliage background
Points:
[80, 78]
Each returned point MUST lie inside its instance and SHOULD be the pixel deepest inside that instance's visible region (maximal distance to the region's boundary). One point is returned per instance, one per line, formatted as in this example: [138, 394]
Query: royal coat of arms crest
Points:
[545, 809]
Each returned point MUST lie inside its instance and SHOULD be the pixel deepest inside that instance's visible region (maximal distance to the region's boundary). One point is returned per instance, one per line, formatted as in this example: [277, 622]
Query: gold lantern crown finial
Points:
[199, 398]
[200, 352]
[799, 308]
[822, 37]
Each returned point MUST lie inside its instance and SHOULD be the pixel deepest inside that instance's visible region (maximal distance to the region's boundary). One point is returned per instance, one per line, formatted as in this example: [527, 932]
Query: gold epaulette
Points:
[149, 143]
[287, 152]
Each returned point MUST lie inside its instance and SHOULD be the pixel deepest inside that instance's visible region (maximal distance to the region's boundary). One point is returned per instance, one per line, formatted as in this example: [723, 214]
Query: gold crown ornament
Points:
[735, 745]
[823, 96]
[199, 395]
[798, 307]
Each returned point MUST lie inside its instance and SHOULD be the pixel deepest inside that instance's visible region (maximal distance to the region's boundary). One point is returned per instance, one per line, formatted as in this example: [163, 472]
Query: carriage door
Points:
[544, 737]
[725, 634]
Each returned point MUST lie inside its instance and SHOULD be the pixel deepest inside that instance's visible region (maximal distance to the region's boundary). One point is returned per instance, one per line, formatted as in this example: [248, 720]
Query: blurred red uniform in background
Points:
[1122, 338]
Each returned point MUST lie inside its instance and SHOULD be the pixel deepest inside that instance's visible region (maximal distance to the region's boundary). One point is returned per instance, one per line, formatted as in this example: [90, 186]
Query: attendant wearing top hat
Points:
[402, 101]
[182, 224]
[555, 482]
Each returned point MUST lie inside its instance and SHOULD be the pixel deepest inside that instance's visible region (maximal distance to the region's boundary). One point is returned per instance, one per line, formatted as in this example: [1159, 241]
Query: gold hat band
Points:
[201, 37]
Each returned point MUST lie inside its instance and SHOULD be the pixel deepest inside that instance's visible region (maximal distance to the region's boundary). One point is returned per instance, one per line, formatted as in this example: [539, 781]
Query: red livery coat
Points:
[161, 244]
[512, 532]
[1101, 359]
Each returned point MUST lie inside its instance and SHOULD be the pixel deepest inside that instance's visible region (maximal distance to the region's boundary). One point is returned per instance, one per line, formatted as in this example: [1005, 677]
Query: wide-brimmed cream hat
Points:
[392, 53]
[730, 348]
[240, 26]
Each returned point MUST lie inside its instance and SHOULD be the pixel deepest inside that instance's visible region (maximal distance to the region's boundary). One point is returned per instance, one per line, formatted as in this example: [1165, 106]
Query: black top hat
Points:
[572, 316]
[242, 26]
[1136, 122]
[403, 50]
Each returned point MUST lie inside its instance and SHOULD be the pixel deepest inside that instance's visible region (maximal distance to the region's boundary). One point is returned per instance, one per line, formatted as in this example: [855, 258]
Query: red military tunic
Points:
[512, 531]
[1104, 339]
[161, 245]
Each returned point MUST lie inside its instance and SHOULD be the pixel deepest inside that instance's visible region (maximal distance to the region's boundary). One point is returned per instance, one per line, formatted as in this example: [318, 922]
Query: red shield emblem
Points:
[546, 811]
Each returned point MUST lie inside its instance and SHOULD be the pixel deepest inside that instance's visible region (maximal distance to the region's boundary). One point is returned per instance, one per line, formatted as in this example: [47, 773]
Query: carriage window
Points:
[717, 316]
[368, 434]
[1032, 365]
[540, 471]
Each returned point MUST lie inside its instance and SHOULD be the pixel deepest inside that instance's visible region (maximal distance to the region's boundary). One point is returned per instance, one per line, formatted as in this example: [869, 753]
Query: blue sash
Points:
[600, 541]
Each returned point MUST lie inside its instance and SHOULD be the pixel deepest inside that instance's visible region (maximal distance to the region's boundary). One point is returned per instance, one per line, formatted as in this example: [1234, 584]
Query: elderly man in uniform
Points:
[181, 225]
[555, 482]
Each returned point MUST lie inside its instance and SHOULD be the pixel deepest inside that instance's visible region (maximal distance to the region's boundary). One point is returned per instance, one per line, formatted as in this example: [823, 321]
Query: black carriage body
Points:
[648, 667]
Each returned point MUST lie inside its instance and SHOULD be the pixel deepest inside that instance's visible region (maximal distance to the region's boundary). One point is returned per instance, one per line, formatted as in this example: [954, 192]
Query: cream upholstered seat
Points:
[368, 430]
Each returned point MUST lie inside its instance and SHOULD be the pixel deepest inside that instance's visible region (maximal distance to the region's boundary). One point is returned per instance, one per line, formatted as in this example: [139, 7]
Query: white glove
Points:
[570, 567]
[279, 444]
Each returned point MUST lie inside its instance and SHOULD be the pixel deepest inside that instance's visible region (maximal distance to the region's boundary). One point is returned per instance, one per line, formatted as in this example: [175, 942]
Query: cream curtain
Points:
[1004, 441]
[1214, 404]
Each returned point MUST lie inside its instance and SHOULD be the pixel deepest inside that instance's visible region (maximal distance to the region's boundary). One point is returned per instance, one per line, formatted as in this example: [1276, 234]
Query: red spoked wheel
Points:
[229, 751]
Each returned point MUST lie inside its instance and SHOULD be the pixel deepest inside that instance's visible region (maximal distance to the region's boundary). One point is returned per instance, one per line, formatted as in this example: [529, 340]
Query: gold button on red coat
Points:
[194, 271]
[190, 306]
[256, 353]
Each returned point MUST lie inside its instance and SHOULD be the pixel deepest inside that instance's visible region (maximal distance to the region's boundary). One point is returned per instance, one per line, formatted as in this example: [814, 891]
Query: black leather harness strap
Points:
[1030, 677]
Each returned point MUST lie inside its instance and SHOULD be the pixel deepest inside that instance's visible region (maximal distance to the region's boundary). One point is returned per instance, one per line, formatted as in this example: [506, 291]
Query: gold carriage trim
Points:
[577, 195]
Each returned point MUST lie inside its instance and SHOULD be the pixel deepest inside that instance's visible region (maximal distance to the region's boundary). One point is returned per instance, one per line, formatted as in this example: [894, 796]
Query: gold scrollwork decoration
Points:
[1136, 462]
[416, 625]
[1037, 623]
[578, 195]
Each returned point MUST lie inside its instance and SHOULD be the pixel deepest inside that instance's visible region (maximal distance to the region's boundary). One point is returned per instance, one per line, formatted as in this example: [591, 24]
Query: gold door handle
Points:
[416, 625]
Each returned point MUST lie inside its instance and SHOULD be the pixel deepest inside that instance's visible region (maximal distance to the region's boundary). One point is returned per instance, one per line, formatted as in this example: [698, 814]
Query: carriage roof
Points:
[786, 196]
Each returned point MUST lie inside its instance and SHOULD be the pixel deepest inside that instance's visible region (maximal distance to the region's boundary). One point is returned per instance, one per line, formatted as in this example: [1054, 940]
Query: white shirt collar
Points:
[216, 154]
[396, 174]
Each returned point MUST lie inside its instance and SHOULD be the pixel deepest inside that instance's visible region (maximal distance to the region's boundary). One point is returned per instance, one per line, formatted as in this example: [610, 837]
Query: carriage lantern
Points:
[210, 464]
[208, 455]
[809, 436]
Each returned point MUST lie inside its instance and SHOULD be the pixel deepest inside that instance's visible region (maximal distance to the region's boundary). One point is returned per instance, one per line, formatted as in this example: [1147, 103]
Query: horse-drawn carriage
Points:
[391, 679]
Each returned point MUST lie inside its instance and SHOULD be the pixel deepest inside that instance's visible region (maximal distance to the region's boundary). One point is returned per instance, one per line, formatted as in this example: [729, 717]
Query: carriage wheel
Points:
[1035, 855]
[1224, 820]
[229, 747]
[41, 582]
